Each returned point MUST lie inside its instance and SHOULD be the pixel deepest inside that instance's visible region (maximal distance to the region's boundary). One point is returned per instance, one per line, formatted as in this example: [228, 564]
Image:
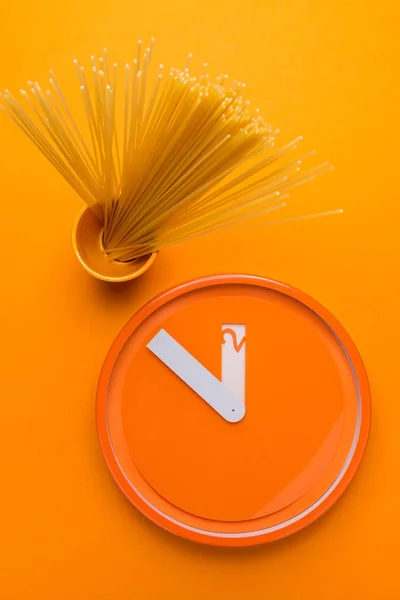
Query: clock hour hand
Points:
[197, 377]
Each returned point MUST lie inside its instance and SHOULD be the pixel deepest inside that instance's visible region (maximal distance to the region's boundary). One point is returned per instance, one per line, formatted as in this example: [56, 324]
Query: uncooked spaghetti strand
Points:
[53, 81]
[90, 168]
[91, 165]
[152, 221]
[242, 192]
[42, 120]
[100, 119]
[133, 101]
[185, 159]
[181, 190]
[58, 164]
[55, 130]
[137, 81]
[152, 170]
[216, 181]
[28, 124]
[141, 213]
[145, 215]
[240, 155]
[178, 140]
[93, 127]
[191, 231]
[161, 105]
[169, 185]
[176, 149]
[260, 165]
[184, 93]
[116, 140]
[108, 141]
[139, 54]
[108, 151]
[99, 113]
[280, 176]
[21, 117]
[255, 224]
[152, 102]
[134, 117]
[230, 212]
[107, 67]
[214, 106]
[222, 224]
[184, 190]
[126, 121]
[235, 151]
[309, 175]
[113, 153]
[243, 202]
[48, 123]
[165, 214]
[198, 177]
[192, 150]
[92, 134]
[209, 220]
[327, 213]
[201, 141]
[63, 143]
[235, 193]
[167, 104]
[142, 97]
[207, 186]
[145, 248]
[184, 107]
[235, 183]
[282, 184]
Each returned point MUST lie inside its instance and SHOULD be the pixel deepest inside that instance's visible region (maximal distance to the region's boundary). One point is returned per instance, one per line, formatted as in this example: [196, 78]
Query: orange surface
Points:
[216, 482]
[325, 69]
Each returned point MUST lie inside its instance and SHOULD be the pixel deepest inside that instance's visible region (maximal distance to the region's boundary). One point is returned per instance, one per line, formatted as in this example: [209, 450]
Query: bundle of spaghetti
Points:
[189, 158]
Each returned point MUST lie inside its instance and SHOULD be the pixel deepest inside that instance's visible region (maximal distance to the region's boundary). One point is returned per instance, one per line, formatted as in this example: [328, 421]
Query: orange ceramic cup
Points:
[88, 248]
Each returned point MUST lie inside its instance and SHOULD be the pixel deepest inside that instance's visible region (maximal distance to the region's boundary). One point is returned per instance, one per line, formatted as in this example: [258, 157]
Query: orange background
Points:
[326, 69]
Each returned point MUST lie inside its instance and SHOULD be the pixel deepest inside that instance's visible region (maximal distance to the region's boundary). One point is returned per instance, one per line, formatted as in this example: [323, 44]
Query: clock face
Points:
[233, 410]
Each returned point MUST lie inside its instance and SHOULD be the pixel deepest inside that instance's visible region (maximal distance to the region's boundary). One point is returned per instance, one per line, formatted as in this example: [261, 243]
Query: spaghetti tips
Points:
[162, 159]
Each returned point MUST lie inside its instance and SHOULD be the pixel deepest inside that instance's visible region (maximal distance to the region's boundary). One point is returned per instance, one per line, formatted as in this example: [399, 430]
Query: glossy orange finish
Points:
[325, 69]
[86, 240]
[307, 414]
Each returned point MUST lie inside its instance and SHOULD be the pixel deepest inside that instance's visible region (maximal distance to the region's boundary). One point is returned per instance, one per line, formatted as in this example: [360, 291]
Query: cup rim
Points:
[136, 271]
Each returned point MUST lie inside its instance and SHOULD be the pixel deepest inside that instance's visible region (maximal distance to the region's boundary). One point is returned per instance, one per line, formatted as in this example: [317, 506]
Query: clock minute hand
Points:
[197, 377]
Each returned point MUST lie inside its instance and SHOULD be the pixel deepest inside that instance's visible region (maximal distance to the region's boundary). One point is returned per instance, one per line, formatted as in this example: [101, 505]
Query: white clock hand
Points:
[233, 359]
[208, 387]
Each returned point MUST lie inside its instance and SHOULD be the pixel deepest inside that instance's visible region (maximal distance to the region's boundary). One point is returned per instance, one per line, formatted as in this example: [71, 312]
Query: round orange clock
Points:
[233, 410]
